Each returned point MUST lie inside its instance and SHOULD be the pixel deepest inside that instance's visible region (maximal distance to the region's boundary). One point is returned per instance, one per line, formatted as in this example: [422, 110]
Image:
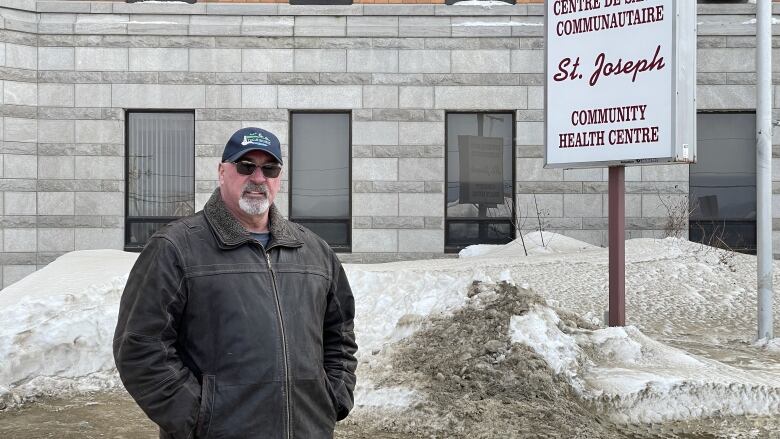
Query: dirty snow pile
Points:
[632, 378]
[58, 325]
[471, 380]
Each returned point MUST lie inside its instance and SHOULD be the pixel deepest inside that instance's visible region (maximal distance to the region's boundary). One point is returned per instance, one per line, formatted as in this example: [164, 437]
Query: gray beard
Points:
[253, 206]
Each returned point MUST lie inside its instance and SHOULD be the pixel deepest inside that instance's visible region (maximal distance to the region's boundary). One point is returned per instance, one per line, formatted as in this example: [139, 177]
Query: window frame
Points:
[704, 226]
[451, 248]
[192, 2]
[320, 2]
[455, 2]
[290, 176]
[148, 219]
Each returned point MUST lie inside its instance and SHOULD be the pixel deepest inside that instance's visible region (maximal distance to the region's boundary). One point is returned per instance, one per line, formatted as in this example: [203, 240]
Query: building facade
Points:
[114, 116]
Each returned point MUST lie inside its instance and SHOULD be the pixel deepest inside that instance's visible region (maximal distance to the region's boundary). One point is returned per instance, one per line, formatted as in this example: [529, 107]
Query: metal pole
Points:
[617, 246]
[764, 166]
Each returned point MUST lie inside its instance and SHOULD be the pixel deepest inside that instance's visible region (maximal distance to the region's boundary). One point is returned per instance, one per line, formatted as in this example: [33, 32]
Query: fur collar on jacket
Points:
[231, 233]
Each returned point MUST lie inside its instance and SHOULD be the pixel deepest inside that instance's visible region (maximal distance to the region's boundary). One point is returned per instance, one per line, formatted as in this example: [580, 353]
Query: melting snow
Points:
[636, 379]
[58, 323]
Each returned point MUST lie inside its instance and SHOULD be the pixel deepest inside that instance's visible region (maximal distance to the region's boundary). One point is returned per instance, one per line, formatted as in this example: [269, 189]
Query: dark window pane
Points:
[723, 181]
[455, 2]
[336, 234]
[320, 2]
[479, 165]
[319, 174]
[141, 1]
[480, 177]
[140, 231]
[160, 169]
[461, 234]
[735, 235]
[320, 165]
[161, 164]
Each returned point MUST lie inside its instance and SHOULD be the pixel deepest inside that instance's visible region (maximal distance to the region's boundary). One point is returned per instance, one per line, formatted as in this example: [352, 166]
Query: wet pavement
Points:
[115, 415]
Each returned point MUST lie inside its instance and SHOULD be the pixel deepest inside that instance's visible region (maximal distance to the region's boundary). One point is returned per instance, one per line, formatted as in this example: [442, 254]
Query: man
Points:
[236, 323]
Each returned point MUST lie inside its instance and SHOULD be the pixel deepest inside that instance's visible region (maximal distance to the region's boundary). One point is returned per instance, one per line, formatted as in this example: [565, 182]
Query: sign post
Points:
[620, 90]
[764, 169]
[617, 246]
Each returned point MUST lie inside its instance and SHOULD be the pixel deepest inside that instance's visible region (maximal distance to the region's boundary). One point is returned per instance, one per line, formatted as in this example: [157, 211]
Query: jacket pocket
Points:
[334, 404]
[206, 407]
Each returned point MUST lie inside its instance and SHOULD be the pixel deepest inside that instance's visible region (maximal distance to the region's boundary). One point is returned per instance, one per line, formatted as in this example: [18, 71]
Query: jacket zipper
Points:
[284, 347]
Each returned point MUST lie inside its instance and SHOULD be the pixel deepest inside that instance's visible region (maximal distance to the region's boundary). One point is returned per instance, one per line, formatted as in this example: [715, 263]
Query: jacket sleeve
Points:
[339, 340]
[145, 341]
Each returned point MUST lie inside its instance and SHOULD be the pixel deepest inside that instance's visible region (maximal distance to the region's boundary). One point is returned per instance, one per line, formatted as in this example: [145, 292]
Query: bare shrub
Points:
[677, 214]
[677, 221]
[521, 217]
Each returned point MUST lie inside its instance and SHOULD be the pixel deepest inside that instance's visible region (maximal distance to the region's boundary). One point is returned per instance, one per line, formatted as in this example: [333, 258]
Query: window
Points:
[320, 2]
[723, 182]
[142, 1]
[455, 2]
[480, 179]
[320, 175]
[160, 164]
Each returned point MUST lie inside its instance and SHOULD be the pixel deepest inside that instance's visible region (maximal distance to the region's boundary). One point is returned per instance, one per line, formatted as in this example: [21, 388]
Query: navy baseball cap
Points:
[251, 139]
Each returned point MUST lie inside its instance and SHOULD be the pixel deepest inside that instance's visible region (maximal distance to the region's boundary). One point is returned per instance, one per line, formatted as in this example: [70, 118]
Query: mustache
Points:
[260, 187]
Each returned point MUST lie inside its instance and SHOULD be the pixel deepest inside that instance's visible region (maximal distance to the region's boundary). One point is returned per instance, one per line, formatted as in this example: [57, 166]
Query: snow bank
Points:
[538, 330]
[535, 243]
[477, 250]
[71, 273]
[58, 323]
[633, 378]
[771, 345]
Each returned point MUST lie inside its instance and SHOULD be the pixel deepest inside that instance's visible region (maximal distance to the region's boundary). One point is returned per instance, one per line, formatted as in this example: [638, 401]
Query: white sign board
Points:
[481, 169]
[620, 82]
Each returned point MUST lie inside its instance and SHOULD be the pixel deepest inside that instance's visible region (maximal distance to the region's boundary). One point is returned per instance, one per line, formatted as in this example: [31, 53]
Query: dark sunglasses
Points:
[269, 170]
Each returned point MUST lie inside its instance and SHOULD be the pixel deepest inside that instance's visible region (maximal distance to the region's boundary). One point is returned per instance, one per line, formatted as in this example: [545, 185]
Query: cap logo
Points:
[257, 139]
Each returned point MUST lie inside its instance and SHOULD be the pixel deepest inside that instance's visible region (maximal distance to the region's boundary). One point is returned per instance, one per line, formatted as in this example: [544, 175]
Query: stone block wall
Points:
[70, 69]
[19, 159]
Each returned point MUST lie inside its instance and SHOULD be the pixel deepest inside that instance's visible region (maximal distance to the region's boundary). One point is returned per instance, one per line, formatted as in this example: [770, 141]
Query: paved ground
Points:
[115, 415]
